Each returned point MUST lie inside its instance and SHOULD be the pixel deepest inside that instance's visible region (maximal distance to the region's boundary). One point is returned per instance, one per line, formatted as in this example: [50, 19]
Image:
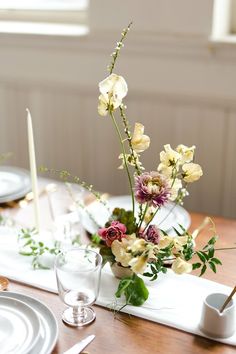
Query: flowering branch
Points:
[134, 156]
[66, 176]
[120, 44]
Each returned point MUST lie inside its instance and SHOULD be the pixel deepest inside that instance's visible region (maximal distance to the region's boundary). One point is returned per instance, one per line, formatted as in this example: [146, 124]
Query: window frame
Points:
[71, 19]
[224, 23]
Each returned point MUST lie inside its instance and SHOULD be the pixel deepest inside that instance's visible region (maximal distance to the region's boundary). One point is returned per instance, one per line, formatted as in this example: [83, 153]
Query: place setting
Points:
[29, 323]
[15, 183]
[136, 254]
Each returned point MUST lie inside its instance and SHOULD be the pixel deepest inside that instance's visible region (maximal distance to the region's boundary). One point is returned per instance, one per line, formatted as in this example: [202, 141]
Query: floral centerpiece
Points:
[130, 239]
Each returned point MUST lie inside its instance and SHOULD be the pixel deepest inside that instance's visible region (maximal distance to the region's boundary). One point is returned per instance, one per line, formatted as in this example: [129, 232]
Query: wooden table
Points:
[128, 334]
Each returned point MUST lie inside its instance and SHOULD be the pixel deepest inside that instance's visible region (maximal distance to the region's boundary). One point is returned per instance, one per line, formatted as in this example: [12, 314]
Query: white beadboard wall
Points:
[180, 87]
[70, 135]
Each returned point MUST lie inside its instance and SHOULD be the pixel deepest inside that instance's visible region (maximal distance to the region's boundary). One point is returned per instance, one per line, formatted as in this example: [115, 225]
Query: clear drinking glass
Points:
[78, 273]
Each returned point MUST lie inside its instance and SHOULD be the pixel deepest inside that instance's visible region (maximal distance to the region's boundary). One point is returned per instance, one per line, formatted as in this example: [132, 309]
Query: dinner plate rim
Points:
[37, 306]
[92, 229]
[26, 187]
[36, 324]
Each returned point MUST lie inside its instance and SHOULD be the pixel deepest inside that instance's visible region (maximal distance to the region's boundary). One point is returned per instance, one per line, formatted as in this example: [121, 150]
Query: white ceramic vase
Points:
[120, 272]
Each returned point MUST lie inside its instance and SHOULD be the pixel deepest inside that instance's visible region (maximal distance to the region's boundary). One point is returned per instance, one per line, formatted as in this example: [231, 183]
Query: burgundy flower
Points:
[152, 188]
[116, 231]
[152, 234]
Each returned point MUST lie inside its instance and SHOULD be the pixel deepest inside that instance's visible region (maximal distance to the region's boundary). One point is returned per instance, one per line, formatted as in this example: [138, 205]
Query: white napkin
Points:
[174, 300]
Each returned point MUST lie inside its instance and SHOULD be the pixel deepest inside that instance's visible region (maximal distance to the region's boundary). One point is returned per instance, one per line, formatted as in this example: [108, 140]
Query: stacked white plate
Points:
[15, 183]
[27, 326]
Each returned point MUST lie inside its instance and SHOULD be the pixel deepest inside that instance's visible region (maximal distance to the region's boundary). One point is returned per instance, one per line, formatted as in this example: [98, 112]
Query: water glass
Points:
[78, 273]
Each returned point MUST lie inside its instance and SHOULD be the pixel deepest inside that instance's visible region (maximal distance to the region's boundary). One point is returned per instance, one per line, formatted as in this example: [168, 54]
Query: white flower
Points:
[179, 266]
[165, 170]
[145, 252]
[139, 245]
[131, 160]
[120, 250]
[139, 264]
[192, 172]
[113, 89]
[180, 241]
[149, 214]
[102, 105]
[139, 141]
[186, 153]
[169, 159]
[133, 252]
[165, 241]
[175, 189]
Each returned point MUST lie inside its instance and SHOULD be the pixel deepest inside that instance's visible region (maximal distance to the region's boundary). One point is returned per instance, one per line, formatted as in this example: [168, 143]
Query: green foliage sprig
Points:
[116, 52]
[207, 257]
[29, 246]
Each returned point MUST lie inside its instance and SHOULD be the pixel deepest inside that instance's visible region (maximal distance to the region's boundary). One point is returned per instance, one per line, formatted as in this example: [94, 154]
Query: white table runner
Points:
[174, 300]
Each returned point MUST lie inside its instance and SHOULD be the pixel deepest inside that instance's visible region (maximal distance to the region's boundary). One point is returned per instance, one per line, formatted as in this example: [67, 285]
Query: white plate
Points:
[14, 183]
[96, 215]
[19, 326]
[48, 333]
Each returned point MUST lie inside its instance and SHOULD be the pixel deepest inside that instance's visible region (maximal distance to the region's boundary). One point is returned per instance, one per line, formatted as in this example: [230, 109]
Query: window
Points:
[224, 21]
[63, 17]
[233, 17]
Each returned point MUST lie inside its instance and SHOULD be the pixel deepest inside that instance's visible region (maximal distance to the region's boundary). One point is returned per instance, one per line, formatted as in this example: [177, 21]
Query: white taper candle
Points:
[33, 170]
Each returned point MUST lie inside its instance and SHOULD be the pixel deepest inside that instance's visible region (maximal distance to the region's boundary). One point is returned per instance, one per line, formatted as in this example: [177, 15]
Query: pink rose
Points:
[116, 231]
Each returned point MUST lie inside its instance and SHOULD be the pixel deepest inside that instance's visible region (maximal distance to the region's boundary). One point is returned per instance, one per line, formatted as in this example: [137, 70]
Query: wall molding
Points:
[91, 92]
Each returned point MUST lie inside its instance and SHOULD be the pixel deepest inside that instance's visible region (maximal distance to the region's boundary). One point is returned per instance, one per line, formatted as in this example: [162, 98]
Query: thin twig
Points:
[228, 299]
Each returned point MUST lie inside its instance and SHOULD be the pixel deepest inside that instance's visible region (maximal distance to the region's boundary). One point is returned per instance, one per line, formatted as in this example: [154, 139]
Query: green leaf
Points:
[123, 284]
[213, 240]
[182, 228]
[211, 252]
[96, 239]
[216, 261]
[164, 232]
[134, 290]
[107, 255]
[148, 274]
[203, 270]
[164, 270]
[34, 248]
[154, 277]
[29, 242]
[26, 236]
[206, 255]
[212, 266]
[177, 232]
[25, 253]
[202, 256]
[136, 293]
[153, 269]
[196, 265]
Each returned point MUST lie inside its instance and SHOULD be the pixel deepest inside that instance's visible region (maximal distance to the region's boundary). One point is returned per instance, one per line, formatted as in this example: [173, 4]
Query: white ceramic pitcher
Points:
[216, 324]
